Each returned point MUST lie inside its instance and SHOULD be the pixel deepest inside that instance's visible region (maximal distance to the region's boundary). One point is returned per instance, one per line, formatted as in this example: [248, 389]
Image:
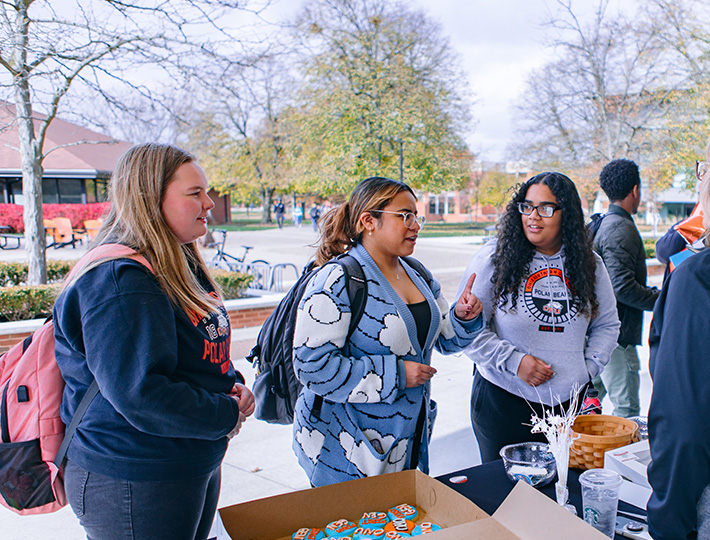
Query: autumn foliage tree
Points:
[381, 84]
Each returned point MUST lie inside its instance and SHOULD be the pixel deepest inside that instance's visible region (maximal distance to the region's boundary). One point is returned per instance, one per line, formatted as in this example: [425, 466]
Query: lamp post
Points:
[401, 159]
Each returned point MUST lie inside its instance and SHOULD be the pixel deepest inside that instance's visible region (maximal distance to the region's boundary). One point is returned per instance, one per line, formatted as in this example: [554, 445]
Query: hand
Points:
[534, 371]
[236, 429]
[469, 305]
[245, 399]
[417, 374]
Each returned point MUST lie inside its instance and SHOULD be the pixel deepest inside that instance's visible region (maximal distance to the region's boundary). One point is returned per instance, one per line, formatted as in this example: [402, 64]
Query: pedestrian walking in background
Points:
[145, 462]
[280, 211]
[618, 242]
[298, 214]
[315, 216]
[549, 311]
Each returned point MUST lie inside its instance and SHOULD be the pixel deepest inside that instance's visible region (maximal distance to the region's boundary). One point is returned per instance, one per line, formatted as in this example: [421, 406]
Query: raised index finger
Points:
[469, 285]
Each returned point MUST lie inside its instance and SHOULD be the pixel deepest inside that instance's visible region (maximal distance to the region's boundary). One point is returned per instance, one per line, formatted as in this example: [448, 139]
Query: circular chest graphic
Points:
[548, 296]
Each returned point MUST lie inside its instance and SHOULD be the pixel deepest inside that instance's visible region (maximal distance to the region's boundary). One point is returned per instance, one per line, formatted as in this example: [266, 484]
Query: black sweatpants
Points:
[500, 418]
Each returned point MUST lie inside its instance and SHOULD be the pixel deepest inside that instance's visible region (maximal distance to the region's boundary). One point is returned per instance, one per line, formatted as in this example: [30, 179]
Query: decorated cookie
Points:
[308, 534]
[425, 527]
[340, 528]
[405, 511]
[394, 535]
[400, 525]
[367, 533]
[374, 519]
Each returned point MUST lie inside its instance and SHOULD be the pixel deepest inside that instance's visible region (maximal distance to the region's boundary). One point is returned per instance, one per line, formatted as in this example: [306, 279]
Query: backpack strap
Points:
[99, 254]
[357, 289]
[595, 223]
[103, 253]
[78, 415]
[357, 292]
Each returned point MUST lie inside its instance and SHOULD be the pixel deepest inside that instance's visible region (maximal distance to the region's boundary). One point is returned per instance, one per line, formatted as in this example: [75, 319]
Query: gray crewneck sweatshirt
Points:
[545, 324]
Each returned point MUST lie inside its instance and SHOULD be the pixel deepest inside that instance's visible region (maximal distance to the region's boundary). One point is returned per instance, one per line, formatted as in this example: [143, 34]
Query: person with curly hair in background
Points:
[549, 309]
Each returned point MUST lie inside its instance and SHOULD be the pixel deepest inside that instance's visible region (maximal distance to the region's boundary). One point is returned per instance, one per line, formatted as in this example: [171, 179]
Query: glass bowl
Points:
[531, 462]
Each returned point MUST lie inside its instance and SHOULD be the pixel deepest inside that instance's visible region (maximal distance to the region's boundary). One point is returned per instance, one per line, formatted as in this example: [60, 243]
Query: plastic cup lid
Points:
[600, 478]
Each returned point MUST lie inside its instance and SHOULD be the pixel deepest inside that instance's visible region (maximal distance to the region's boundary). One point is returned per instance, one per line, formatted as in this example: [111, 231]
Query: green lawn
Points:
[242, 222]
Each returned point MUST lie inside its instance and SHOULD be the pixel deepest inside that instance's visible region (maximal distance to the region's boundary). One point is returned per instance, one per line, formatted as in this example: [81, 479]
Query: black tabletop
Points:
[487, 486]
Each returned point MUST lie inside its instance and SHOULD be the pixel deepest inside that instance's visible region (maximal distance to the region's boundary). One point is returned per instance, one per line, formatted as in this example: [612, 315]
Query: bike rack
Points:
[276, 275]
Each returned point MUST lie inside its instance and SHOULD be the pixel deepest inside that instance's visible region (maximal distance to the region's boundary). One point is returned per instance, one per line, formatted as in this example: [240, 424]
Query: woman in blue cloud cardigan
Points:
[375, 385]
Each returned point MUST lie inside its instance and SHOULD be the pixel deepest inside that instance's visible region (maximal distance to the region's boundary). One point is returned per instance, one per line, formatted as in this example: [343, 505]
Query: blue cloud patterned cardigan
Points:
[368, 418]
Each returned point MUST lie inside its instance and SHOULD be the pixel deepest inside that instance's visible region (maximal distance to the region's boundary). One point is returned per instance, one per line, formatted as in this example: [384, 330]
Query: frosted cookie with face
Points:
[340, 528]
[400, 525]
[405, 511]
[308, 534]
[425, 527]
[368, 533]
[374, 519]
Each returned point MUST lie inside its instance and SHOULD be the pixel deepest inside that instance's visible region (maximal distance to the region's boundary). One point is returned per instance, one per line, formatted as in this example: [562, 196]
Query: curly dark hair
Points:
[618, 178]
[514, 252]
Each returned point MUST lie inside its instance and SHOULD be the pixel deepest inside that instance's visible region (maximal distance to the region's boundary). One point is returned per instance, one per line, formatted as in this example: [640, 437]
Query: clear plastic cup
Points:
[600, 498]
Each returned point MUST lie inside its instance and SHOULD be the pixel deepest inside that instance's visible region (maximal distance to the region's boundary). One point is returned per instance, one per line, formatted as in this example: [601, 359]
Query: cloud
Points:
[394, 335]
[319, 321]
[363, 458]
[368, 390]
[311, 442]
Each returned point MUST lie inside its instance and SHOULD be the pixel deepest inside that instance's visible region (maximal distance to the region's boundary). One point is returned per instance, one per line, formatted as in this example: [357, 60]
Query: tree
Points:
[602, 96]
[685, 133]
[494, 188]
[51, 51]
[380, 82]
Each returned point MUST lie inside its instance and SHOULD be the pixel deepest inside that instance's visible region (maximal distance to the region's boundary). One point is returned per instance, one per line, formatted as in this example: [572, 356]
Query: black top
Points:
[422, 318]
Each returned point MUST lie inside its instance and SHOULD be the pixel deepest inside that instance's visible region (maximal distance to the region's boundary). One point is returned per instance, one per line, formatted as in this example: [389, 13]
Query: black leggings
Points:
[500, 418]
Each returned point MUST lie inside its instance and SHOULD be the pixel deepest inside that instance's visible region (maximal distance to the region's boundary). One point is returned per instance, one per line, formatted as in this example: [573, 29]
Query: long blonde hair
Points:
[341, 228]
[136, 192]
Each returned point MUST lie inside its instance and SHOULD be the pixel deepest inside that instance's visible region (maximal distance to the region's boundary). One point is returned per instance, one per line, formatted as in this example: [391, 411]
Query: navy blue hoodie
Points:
[163, 408]
[679, 428]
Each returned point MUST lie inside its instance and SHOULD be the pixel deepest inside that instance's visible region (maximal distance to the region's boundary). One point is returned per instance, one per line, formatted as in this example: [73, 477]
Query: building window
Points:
[71, 191]
[49, 191]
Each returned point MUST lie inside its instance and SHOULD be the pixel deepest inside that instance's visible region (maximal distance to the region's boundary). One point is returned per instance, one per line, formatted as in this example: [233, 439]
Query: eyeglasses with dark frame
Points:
[701, 168]
[408, 218]
[543, 210]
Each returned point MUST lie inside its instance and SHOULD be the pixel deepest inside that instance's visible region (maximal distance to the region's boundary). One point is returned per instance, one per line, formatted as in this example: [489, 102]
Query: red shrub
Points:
[11, 214]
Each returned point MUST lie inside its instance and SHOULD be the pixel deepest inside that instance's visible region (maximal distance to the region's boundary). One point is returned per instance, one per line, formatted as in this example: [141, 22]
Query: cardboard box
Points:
[526, 514]
[631, 462]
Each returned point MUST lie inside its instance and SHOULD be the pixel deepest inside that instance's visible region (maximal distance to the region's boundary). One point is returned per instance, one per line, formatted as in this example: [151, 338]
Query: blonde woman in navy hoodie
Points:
[550, 312]
[145, 461]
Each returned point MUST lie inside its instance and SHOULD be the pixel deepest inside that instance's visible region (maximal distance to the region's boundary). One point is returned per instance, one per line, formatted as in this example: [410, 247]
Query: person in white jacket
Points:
[549, 309]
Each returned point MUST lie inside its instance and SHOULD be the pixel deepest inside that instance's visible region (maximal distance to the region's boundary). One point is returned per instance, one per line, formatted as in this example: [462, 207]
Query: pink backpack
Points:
[34, 441]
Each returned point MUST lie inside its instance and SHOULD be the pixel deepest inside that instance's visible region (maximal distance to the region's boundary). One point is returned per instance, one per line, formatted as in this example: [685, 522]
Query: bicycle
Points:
[222, 260]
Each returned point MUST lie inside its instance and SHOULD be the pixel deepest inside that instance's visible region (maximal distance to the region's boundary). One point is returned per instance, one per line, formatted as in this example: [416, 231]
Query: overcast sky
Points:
[500, 43]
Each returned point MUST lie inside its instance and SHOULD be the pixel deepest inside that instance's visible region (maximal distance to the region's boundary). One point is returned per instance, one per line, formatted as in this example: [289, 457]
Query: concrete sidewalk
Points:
[260, 462]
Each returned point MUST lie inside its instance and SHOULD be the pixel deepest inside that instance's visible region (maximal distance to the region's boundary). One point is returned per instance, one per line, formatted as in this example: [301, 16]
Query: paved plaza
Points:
[260, 462]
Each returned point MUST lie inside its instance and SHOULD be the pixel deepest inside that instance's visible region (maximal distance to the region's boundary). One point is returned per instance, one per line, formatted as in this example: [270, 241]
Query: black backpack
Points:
[594, 224]
[276, 387]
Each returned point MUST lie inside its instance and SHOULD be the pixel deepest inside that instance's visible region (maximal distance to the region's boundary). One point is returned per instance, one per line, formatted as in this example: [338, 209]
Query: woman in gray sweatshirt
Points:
[549, 308]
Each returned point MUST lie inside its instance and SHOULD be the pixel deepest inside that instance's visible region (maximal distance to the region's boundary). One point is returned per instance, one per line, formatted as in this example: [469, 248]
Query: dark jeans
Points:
[500, 418]
[114, 509]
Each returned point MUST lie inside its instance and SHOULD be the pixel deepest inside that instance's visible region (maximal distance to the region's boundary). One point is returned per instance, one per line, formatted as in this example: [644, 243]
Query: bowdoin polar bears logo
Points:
[548, 298]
